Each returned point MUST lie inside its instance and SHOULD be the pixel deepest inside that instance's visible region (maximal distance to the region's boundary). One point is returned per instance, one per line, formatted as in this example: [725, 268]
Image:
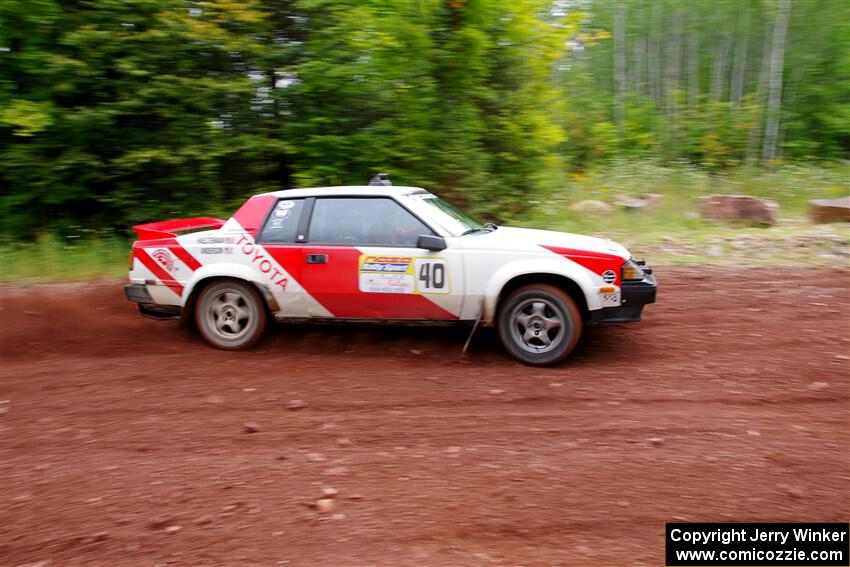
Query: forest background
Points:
[116, 112]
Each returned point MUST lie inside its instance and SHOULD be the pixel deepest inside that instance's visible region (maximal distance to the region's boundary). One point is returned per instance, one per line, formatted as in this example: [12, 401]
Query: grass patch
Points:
[73, 259]
[673, 232]
[792, 186]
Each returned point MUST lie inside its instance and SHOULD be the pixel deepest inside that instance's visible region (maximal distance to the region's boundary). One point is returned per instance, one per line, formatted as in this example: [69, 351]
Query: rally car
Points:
[382, 253]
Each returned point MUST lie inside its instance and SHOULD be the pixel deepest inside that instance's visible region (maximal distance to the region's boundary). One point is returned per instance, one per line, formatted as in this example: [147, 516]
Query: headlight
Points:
[631, 271]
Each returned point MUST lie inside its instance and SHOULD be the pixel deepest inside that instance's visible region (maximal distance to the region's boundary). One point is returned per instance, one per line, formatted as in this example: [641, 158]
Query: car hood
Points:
[524, 238]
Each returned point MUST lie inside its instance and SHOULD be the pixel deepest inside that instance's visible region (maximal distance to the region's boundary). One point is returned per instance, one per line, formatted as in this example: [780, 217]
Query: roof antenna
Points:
[381, 179]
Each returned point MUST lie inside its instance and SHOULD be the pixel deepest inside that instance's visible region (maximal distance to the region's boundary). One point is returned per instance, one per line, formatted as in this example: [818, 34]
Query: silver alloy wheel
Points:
[228, 314]
[537, 325]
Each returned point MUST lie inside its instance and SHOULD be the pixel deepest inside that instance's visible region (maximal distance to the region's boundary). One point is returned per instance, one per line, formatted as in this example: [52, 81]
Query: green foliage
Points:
[695, 82]
[26, 117]
[115, 112]
[447, 95]
[118, 112]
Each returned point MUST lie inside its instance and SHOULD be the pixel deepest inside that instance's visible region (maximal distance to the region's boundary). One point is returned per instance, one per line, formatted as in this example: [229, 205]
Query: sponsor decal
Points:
[611, 299]
[609, 276]
[163, 258]
[386, 274]
[402, 274]
[384, 264]
[217, 250]
[262, 262]
[280, 213]
[386, 283]
[283, 205]
[215, 240]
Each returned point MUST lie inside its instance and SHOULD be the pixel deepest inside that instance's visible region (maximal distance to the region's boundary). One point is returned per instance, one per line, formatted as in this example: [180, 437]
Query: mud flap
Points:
[160, 312]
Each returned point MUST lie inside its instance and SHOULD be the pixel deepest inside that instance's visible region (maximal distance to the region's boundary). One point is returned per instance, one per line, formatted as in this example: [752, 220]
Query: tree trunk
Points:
[797, 74]
[736, 90]
[693, 59]
[638, 67]
[673, 89]
[619, 66]
[655, 88]
[718, 71]
[777, 64]
[755, 133]
[675, 63]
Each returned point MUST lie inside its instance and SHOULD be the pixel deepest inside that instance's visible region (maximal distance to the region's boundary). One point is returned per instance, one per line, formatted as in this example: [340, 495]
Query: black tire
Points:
[539, 324]
[230, 314]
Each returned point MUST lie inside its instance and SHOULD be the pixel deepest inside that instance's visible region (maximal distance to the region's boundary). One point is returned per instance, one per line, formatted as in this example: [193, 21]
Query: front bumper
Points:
[633, 296]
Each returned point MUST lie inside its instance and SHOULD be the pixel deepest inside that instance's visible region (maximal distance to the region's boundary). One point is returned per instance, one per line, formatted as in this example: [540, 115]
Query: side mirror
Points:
[433, 243]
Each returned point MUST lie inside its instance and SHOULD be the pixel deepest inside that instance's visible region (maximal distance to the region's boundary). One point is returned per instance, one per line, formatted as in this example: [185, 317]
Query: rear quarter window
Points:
[282, 225]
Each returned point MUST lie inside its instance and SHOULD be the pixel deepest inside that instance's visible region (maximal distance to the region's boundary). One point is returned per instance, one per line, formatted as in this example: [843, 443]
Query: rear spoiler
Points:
[169, 229]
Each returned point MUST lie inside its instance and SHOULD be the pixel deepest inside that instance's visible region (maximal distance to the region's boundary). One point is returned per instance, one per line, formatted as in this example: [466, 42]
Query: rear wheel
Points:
[230, 315]
[539, 324]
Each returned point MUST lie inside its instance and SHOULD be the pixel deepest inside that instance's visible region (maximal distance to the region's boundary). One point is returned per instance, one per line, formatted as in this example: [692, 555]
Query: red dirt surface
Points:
[124, 440]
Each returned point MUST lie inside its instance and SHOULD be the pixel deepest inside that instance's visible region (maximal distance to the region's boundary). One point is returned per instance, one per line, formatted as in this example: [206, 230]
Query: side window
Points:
[282, 224]
[364, 221]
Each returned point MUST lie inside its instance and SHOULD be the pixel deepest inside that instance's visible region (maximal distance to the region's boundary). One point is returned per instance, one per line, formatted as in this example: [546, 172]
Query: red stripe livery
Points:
[596, 262]
[336, 286]
[184, 256]
[252, 214]
[158, 271]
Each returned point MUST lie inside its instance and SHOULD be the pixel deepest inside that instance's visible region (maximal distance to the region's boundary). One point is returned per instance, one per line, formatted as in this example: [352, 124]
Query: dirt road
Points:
[126, 441]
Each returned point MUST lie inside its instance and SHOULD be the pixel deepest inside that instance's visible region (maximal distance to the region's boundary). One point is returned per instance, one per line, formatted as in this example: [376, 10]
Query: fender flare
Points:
[555, 266]
[229, 270]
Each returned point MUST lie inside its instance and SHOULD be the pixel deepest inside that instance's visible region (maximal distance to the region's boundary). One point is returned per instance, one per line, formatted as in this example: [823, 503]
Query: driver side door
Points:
[361, 261]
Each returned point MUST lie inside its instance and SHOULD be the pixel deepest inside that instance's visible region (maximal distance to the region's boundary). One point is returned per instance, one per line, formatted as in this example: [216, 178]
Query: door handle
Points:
[317, 258]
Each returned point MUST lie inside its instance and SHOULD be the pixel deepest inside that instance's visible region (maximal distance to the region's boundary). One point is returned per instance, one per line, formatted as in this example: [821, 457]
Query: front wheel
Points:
[539, 324]
[230, 315]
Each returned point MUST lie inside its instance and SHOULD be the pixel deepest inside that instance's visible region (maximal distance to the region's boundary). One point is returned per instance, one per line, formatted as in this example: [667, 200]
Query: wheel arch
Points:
[576, 280]
[568, 285]
[188, 313]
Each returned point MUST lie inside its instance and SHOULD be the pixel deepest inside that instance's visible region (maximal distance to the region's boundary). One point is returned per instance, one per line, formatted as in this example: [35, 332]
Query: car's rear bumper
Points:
[633, 295]
[138, 293]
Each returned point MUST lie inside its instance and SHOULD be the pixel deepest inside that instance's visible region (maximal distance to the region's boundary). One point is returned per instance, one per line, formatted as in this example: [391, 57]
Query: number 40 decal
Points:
[431, 275]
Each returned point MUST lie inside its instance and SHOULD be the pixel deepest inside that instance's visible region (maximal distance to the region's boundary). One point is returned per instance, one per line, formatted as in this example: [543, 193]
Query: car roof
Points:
[349, 190]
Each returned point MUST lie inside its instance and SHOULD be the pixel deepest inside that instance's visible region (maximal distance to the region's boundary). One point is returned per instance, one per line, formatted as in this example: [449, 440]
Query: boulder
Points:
[738, 208]
[324, 505]
[591, 207]
[648, 201]
[829, 210]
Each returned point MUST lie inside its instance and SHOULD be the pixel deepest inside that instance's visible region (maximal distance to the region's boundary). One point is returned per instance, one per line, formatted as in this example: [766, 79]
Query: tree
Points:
[774, 103]
[117, 112]
[453, 95]
[620, 64]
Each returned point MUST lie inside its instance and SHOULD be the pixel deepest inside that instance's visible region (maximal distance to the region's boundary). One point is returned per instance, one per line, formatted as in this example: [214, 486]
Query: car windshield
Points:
[450, 217]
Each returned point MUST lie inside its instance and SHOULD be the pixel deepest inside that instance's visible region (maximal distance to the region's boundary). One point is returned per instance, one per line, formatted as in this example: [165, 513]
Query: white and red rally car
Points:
[382, 253]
